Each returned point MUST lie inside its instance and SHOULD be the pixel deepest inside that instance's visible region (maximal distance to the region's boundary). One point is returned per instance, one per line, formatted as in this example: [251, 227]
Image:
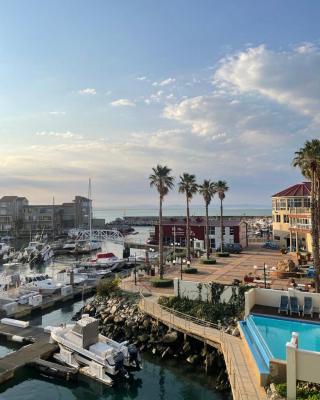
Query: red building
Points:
[174, 231]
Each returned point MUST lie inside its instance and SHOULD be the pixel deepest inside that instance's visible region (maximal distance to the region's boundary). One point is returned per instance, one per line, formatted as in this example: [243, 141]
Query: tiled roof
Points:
[298, 190]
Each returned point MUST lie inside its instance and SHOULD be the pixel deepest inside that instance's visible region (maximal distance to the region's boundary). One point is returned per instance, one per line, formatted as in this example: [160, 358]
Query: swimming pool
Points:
[276, 332]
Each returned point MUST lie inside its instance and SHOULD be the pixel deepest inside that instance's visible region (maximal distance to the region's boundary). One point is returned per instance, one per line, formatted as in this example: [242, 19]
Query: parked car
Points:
[271, 245]
[234, 248]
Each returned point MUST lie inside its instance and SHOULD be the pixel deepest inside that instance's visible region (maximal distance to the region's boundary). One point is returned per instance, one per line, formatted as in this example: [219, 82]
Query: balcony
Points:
[300, 227]
[299, 211]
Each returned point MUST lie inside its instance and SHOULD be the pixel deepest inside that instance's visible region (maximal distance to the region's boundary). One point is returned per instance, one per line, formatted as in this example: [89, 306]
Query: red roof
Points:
[298, 190]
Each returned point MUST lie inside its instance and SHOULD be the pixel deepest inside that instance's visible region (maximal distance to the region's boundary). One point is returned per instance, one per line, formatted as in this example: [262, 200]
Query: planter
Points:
[190, 271]
[157, 282]
[209, 262]
[223, 254]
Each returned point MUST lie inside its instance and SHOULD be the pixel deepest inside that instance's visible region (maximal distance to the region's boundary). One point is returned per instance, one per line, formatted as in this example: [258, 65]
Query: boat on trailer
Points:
[81, 346]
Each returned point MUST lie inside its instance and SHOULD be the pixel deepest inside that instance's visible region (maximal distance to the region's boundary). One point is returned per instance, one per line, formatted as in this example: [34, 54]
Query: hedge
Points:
[209, 262]
[223, 254]
[190, 270]
[157, 282]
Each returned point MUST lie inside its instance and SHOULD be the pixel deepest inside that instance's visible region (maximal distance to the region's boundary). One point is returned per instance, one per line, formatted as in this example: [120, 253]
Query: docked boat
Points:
[38, 252]
[42, 283]
[105, 258]
[82, 347]
[4, 249]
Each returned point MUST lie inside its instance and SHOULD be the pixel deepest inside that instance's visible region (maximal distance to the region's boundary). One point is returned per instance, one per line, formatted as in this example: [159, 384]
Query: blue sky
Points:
[108, 89]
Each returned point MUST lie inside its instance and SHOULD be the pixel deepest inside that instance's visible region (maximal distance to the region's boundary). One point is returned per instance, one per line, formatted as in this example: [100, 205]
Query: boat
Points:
[4, 248]
[42, 283]
[82, 347]
[105, 258]
[38, 252]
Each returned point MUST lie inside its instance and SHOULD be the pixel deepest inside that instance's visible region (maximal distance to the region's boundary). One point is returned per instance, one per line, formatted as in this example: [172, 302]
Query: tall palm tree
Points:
[188, 186]
[208, 190]
[221, 188]
[163, 182]
[307, 159]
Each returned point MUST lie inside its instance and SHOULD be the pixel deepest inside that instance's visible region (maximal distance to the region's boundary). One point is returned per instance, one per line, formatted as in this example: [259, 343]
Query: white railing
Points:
[299, 210]
[111, 235]
[301, 226]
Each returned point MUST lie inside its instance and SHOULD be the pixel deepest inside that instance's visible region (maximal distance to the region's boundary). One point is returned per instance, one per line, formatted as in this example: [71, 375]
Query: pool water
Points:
[276, 332]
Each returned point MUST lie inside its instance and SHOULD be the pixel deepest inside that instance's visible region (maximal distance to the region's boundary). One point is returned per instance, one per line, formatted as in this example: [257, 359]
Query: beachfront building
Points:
[174, 231]
[291, 216]
[11, 212]
[17, 216]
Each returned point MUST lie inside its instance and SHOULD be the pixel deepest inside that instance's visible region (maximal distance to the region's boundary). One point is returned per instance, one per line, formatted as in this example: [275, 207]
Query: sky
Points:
[109, 89]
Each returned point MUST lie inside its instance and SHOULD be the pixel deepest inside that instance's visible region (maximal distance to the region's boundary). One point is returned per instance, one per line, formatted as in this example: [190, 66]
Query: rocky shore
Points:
[121, 319]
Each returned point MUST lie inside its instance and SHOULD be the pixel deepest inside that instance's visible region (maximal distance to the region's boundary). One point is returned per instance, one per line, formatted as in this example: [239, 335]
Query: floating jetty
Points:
[39, 347]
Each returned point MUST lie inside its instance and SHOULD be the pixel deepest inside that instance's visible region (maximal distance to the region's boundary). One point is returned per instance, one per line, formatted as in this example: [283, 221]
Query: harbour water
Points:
[159, 379]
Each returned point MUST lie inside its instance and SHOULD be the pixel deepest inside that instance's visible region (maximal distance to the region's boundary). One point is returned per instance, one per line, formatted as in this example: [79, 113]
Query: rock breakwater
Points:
[121, 319]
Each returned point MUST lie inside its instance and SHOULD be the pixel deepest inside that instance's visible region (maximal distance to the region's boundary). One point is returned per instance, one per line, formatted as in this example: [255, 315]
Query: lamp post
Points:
[265, 268]
[135, 270]
[188, 264]
[255, 267]
[174, 262]
[182, 262]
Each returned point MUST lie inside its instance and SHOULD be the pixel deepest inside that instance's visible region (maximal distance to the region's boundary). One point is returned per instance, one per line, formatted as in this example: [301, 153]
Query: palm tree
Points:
[188, 186]
[307, 159]
[163, 182]
[221, 188]
[208, 190]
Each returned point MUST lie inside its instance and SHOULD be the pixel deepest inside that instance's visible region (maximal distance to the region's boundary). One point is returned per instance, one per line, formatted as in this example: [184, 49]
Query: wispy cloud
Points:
[165, 82]
[123, 103]
[89, 91]
[141, 78]
[61, 135]
[57, 112]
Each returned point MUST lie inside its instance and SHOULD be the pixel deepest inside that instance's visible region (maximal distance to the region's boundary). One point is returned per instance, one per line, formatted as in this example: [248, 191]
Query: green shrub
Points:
[223, 254]
[303, 393]
[107, 286]
[209, 262]
[157, 282]
[190, 270]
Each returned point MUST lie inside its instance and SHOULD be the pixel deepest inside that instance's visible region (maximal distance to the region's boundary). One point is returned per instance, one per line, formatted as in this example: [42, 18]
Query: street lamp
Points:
[265, 268]
[183, 261]
[135, 269]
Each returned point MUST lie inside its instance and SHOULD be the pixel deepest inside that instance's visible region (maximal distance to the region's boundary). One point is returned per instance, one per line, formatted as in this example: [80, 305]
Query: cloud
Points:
[290, 78]
[123, 103]
[165, 82]
[57, 112]
[90, 91]
[141, 78]
[61, 135]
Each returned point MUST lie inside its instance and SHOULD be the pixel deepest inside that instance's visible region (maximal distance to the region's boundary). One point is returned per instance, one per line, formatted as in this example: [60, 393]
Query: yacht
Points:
[42, 283]
[82, 347]
[38, 252]
[105, 258]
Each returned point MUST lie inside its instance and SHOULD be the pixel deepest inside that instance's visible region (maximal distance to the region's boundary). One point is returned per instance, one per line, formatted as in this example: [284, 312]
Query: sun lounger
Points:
[307, 307]
[294, 305]
[284, 304]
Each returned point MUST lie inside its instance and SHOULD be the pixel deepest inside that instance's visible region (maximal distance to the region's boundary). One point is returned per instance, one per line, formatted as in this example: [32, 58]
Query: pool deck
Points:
[273, 312]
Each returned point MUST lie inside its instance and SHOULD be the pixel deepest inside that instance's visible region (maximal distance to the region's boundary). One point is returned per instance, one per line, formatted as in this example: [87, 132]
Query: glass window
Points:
[278, 219]
[286, 219]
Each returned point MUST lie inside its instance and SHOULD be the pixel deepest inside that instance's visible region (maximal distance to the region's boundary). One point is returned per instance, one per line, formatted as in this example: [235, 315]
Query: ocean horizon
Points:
[110, 213]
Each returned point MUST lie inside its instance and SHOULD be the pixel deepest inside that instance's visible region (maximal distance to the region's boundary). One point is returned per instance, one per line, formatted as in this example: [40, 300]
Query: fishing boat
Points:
[82, 347]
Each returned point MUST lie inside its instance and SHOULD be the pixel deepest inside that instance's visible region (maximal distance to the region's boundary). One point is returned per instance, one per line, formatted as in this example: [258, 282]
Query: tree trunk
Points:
[188, 230]
[315, 191]
[207, 232]
[221, 226]
[160, 240]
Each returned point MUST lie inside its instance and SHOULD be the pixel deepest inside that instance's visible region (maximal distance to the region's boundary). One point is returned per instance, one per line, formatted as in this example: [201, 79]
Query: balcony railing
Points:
[304, 227]
[299, 210]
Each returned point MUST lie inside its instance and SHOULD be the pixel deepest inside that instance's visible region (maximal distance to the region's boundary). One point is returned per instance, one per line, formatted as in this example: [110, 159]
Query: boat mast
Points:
[53, 221]
[90, 209]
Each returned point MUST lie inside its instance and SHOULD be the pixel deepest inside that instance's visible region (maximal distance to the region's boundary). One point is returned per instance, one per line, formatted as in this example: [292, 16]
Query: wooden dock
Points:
[35, 353]
[242, 379]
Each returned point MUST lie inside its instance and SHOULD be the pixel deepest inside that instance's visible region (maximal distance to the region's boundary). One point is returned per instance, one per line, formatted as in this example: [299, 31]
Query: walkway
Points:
[242, 379]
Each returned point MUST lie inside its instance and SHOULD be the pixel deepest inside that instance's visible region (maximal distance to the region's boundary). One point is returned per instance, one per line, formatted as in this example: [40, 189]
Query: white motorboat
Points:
[82, 347]
[42, 283]
[38, 252]
[4, 249]
[105, 259]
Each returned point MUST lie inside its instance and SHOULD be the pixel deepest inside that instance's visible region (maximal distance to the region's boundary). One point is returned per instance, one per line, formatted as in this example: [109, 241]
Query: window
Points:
[213, 243]
[276, 237]
[286, 219]
[212, 230]
[278, 218]
[231, 231]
